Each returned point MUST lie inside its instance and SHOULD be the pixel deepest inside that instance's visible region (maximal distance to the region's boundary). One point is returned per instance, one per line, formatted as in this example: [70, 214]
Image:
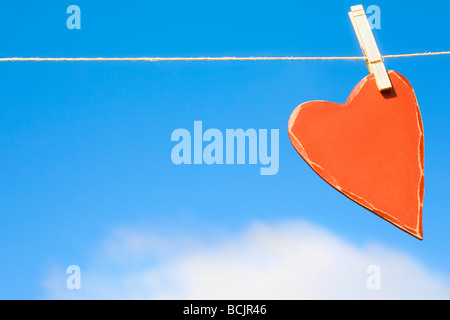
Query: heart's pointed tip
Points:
[413, 230]
[418, 234]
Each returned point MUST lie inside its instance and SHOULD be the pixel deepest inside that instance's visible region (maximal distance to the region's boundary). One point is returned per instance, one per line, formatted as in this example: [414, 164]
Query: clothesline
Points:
[156, 59]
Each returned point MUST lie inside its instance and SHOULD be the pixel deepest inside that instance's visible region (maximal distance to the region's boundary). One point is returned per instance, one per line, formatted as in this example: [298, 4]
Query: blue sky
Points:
[85, 146]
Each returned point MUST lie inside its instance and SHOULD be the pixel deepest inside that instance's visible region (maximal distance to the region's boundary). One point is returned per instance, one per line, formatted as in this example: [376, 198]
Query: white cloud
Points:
[292, 260]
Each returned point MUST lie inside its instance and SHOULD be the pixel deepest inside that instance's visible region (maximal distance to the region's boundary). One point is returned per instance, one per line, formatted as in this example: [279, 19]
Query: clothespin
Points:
[369, 47]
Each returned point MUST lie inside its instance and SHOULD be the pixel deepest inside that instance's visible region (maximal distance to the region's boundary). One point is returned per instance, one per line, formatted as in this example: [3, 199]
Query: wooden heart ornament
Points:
[371, 149]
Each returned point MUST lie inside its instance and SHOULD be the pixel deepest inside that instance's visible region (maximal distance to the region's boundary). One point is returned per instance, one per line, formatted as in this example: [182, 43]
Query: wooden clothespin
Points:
[369, 47]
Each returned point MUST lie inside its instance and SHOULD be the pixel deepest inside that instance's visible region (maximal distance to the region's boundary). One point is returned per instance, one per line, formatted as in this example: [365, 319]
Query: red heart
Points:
[371, 149]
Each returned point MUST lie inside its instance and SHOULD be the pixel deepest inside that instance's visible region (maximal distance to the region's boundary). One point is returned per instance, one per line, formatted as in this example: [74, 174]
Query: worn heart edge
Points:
[416, 232]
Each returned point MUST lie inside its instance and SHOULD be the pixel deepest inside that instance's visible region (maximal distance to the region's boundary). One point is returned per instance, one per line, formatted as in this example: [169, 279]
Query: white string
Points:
[156, 59]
